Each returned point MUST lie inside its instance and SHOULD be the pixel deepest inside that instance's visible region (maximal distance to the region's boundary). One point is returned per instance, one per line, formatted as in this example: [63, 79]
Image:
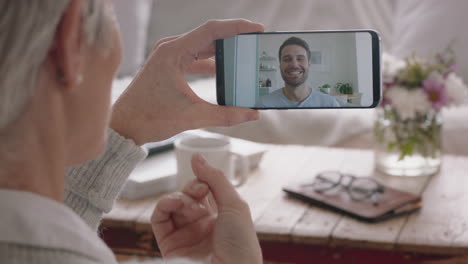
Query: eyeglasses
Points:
[358, 188]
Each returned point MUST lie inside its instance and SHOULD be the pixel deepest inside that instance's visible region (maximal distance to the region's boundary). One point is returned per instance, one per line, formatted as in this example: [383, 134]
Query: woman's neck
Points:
[32, 158]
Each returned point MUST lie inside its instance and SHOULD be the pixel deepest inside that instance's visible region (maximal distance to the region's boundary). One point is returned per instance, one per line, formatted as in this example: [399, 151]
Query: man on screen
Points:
[294, 57]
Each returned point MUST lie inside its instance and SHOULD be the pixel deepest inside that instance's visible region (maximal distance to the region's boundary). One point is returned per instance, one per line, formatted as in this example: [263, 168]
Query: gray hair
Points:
[27, 31]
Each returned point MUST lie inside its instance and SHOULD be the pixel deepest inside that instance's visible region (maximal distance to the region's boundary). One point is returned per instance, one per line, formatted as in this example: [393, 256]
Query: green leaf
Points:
[406, 150]
[391, 146]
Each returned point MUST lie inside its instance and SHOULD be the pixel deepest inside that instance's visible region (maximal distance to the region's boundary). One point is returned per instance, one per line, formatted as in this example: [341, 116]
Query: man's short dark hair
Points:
[295, 41]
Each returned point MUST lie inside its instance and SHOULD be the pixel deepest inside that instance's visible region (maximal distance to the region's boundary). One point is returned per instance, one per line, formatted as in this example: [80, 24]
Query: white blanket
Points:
[340, 128]
[344, 128]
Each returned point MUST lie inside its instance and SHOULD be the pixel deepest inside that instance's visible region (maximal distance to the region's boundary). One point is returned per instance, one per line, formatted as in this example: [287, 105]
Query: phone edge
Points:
[219, 59]
[376, 67]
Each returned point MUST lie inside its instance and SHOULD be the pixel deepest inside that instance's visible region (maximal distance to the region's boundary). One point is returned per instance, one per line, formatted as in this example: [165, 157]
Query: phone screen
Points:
[284, 70]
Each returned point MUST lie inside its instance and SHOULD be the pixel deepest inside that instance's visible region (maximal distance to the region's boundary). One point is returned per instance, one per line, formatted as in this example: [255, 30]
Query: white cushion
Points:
[133, 17]
[350, 128]
[305, 127]
[313, 127]
[429, 26]
[422, 26]
[179, 16]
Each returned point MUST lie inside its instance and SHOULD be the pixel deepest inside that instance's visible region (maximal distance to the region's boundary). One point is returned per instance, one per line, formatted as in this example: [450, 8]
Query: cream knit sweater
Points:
[37, 230]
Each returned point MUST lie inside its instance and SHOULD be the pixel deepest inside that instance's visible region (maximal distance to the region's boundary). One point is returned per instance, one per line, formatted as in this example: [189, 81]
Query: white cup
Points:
[216, 151]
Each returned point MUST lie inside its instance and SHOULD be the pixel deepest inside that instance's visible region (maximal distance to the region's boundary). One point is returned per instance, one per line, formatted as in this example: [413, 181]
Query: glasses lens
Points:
[327, 180]
[362, 188]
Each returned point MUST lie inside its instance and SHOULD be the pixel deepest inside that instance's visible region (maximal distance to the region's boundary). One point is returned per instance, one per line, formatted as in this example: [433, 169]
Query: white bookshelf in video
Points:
[267, 70]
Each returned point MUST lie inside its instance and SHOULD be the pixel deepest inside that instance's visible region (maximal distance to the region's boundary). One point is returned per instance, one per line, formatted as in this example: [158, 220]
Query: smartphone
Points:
[299, 70]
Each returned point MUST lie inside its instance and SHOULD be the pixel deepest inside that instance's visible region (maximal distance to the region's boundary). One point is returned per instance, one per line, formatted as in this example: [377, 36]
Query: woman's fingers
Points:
[203, 36]
[179, 209]
[196, 190]
[193, 240]
[224, 193]
[161, 220]
[159, 96]
[201, 40]
[200, 191]
[164, 40]
[234, 229]
[179, 221]
[208, 115]
[206, 66]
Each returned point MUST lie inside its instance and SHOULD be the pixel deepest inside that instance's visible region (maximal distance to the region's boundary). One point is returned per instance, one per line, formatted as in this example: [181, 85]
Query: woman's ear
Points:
[67, 50]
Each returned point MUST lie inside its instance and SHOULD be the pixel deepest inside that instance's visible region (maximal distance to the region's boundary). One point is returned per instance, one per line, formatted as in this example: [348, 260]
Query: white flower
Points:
[457, 92]
[436, 76]
[408, 102]
[391, 66]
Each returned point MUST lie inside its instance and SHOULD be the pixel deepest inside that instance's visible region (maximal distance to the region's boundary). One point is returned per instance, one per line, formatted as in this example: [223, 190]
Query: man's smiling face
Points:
[294, 65]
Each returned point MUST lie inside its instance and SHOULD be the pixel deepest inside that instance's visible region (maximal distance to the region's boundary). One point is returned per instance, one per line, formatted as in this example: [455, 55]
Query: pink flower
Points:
[434, 87]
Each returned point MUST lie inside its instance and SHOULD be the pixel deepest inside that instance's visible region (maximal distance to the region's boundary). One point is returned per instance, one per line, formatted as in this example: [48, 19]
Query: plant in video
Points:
[326, 88]
[344, 88]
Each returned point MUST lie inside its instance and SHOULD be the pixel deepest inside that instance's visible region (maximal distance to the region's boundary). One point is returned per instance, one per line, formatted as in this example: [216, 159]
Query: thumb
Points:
[221, 188]
[224, 115]
[207, 66]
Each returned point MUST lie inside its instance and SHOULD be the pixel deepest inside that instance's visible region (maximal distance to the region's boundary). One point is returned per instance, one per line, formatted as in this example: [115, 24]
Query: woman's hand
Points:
[159, 103]
[187, 225]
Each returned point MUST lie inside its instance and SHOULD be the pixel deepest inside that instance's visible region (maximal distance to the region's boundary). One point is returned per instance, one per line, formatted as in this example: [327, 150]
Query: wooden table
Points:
[294, 232]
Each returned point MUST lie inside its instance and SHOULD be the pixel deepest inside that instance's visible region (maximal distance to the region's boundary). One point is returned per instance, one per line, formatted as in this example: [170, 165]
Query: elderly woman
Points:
[57, 62]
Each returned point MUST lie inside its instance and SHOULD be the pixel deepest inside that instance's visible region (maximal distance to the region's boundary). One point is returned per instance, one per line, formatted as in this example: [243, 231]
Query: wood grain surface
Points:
[439, 228]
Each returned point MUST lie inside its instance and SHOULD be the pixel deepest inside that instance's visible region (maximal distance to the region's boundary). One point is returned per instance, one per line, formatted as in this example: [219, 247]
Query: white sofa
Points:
[406, 26]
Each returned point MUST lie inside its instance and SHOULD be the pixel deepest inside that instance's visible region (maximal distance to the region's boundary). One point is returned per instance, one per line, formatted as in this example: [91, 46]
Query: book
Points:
[156, 174]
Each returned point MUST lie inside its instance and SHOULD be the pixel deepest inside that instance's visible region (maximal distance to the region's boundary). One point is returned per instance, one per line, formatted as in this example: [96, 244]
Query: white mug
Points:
[216, 151]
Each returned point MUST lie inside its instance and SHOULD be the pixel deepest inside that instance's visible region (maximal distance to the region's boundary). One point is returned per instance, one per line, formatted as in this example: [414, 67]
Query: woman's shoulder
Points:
[38, 225]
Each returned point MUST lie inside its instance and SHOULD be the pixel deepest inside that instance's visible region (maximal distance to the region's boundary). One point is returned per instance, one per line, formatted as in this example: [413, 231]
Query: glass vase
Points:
[410, 147]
